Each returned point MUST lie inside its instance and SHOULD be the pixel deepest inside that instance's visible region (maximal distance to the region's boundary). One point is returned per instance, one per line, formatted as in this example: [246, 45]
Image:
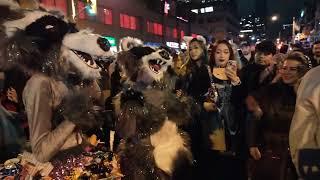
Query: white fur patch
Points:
[30, 17]
[167, 142]
[85, 41]
[146, 68]
[116, 101]
[81, 66]
[112, 68]
[187, 39]
[127, 43]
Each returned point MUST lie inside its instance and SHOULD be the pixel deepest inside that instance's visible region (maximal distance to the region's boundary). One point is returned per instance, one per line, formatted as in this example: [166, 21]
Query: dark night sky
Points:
[285, 9]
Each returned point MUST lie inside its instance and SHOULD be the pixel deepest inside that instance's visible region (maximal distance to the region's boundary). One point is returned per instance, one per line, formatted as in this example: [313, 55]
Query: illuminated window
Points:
[195, 11]
[175, 33]
[182, 34]
[81, 10]
[133, 22]
[149, 27]
[59, 4]
[209, 9]
[105, 15]
[128, 22]
[159, 29]
[154, 28]
[168, 32]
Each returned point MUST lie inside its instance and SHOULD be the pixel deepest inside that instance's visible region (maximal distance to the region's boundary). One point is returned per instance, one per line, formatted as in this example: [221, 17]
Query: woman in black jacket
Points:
[220, 124]
[272, 110]
[195, 83]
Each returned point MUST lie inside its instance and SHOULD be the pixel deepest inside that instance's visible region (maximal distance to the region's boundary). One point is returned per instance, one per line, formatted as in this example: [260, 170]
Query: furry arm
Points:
[45, 141]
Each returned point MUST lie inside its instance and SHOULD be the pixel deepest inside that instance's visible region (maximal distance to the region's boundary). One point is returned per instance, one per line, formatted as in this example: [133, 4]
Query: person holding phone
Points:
[271, 111]
[221, 130]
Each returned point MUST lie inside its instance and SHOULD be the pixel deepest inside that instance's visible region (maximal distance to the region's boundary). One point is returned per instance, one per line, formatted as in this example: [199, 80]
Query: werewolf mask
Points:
[144, 63]
[44, 41]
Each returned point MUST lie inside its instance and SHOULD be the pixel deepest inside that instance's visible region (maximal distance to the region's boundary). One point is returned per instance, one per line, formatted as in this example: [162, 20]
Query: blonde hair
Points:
[188, 61]
[179, 70]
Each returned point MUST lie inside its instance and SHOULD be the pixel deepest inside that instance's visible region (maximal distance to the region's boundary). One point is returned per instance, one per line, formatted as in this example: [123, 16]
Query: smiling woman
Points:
[294, 67]
[270, 121]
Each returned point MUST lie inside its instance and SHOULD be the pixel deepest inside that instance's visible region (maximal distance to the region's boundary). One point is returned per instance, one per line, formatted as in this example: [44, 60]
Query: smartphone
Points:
[232, 64]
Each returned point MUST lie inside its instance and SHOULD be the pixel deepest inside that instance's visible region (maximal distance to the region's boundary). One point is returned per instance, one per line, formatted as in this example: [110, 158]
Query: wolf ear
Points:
[129, 42]
[139, 52]
[48, 29]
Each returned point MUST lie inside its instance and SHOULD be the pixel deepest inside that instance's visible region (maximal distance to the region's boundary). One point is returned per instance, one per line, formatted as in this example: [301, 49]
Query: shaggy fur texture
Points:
[167, 142]
[144, 62]
[86, 41]
[128, 43]
[143, 122]
[51, 50]
[149, 117]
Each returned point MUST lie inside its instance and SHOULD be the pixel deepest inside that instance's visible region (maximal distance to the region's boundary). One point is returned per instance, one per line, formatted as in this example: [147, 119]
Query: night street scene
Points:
[160, 89]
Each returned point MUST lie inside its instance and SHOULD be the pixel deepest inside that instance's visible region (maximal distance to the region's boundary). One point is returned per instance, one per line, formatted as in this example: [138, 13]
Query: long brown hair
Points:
[189, 62]
[212, 61]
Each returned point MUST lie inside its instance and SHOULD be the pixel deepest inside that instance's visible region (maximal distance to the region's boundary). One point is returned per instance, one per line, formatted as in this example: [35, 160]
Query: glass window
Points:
[128, 22]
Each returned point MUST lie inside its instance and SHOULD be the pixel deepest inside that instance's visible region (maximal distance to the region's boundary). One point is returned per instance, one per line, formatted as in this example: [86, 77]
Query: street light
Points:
[274, 18]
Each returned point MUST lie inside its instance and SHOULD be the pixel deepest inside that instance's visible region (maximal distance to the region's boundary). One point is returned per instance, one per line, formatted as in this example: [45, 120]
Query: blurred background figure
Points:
[246, 55]
[315, 56]
[278, 59]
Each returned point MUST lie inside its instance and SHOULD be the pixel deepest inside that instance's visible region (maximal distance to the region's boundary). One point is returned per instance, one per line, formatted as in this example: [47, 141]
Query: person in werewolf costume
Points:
[149, 117]
[59, 96]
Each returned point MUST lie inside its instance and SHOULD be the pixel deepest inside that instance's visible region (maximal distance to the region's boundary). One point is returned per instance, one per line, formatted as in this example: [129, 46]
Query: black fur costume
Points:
[149, 119]
[50, 50]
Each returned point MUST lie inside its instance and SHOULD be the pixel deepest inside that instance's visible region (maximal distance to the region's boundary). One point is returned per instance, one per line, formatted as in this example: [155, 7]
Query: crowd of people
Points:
[254, 111]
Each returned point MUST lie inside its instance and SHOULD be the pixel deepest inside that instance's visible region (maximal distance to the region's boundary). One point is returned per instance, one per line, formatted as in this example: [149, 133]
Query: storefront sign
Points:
[152, 44]
[173, 45]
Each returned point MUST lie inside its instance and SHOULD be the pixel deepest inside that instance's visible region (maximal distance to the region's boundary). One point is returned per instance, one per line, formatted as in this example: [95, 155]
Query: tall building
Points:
[153, 21]
[218, 19]
[253, 29]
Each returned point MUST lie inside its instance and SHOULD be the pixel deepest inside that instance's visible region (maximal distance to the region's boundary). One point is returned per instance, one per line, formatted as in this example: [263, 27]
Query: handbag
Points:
[212, 93]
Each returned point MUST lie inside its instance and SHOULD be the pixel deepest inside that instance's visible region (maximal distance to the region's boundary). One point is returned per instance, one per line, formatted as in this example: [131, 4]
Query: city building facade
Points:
[253, 29]
[116, 19]
[218, 19]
